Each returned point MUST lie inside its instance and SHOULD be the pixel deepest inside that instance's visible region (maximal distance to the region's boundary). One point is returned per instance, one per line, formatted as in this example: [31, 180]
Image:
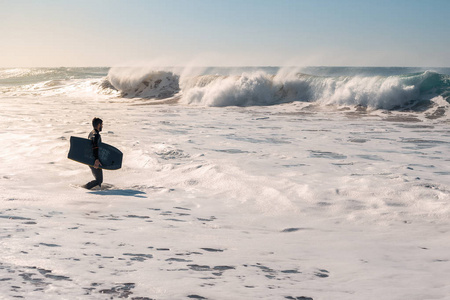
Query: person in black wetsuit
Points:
[96, 139]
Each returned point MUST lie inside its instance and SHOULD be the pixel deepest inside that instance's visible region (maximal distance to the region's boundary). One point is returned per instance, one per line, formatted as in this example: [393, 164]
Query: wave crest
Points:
[143, 83]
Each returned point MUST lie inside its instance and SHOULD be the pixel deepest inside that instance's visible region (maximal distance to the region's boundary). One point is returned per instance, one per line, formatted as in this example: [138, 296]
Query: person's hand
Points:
[97, 164]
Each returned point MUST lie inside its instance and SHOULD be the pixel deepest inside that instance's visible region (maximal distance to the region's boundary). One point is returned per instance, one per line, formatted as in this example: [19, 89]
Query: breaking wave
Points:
[260, 88]
[141, 83]
[376, 92]
[377, 88]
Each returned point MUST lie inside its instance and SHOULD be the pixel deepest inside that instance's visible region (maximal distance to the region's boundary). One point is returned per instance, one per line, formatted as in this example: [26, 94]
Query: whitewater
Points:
[237, 183]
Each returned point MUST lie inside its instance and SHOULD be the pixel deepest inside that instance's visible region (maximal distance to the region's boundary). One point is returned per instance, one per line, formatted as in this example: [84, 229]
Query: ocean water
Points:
[237, 183]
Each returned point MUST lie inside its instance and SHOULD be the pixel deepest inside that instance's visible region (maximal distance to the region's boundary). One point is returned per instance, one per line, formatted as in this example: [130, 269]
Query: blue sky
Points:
[53, 33]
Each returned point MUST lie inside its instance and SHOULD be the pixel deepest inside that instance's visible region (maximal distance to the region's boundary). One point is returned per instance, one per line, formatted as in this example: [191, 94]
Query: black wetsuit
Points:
[96, 139]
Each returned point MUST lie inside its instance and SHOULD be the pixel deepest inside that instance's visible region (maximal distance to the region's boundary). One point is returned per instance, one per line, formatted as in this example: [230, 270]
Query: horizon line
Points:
[217, 66]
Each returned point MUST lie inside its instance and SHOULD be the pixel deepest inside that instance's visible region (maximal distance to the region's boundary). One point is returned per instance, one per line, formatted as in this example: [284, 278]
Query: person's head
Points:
[97, 123]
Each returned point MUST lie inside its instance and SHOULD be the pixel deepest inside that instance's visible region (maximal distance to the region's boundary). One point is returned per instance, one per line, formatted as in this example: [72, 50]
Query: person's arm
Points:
[95, 143]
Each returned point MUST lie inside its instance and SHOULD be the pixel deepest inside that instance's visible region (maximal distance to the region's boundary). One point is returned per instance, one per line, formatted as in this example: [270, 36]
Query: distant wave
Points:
[23, 76]
[50, 81]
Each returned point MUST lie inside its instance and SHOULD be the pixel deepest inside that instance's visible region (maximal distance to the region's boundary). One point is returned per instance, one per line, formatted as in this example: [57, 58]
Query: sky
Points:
[81, 33]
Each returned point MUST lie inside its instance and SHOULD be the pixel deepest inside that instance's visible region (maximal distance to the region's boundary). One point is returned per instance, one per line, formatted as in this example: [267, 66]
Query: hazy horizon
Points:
[224, 33]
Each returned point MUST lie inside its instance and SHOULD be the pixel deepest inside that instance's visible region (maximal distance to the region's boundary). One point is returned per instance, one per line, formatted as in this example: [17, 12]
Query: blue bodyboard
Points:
[81, 151]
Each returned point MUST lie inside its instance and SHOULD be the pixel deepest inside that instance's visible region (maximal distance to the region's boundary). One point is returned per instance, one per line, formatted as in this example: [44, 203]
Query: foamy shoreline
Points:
[276, 202]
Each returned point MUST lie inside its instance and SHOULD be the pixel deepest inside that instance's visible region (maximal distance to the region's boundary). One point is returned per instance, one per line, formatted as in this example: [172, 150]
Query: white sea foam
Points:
[264, 202]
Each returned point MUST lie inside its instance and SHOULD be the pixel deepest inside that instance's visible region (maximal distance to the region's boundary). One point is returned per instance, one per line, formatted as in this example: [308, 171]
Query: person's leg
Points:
[98, 175]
